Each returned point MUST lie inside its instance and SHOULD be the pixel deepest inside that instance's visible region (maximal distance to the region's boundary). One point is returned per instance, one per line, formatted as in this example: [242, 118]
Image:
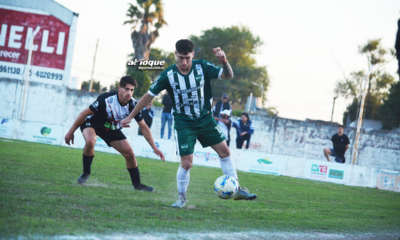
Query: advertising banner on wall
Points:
[388, 180]
[205, 156]
[6, 127]
[49, 55]
[43, 133]
[326, 171]
[262, 163]
[142, 148]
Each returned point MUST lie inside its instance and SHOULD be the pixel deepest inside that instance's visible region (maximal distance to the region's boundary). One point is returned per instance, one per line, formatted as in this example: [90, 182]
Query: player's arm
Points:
[78, 121]
[140, 105]
[227, 72]
[149, 138]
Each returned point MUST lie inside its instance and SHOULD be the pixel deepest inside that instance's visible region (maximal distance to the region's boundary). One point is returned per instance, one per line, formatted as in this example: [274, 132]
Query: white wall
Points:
[290, 144]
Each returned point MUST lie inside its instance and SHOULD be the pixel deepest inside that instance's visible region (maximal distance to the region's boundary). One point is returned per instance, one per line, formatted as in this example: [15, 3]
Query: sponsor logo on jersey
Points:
[96, 104]
[107, 124]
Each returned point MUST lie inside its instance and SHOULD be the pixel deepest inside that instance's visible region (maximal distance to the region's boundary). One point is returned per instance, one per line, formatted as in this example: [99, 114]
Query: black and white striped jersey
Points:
[108, 112]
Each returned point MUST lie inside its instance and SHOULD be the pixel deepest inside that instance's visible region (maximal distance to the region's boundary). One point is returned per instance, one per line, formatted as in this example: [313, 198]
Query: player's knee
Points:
[129, 155]
[90, 143]
[224, 153]
[186, 165]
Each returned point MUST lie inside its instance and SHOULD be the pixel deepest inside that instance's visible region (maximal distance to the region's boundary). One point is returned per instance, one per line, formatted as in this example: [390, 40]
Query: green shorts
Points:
[205, 130]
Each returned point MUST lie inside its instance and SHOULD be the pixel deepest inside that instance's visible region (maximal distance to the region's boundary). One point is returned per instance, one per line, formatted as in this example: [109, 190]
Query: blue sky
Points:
[308, 45]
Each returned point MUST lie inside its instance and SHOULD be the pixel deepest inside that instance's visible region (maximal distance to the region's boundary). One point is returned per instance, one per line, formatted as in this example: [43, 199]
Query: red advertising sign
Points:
[50, 43]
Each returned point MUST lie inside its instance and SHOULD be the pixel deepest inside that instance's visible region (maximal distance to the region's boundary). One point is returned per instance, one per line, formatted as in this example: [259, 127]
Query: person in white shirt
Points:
[224, 122]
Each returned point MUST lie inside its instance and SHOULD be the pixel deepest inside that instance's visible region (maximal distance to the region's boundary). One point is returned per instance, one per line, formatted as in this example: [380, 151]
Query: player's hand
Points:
[125, 122]
[69, 137]
[159, 153]
[243, 133]
[220, 54]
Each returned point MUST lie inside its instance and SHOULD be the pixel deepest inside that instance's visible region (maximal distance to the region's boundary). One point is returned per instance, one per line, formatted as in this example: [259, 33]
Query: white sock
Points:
[182, 180]
[228, 168]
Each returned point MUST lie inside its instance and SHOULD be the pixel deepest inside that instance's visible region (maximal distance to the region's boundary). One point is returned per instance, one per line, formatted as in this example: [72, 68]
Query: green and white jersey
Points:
[191, 94]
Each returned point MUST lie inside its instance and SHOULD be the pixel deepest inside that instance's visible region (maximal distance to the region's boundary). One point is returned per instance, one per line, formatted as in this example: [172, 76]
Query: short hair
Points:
[127, 80]
[341, 126]
[246, 114]
[184, 46]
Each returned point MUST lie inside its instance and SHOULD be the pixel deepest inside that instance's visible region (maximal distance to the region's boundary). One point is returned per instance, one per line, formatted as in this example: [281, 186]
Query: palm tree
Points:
[141, 14]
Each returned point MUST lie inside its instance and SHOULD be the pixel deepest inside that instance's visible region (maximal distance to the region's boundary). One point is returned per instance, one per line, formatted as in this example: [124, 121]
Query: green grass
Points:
[39, 195]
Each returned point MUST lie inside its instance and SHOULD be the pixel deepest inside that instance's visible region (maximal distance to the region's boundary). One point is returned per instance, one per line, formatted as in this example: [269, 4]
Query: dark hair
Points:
[341, 126]
[127, 80]
[184, 46]
[246, 115]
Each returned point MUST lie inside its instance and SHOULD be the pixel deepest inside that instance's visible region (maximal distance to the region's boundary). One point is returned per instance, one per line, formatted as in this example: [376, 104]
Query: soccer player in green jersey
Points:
[188, 82]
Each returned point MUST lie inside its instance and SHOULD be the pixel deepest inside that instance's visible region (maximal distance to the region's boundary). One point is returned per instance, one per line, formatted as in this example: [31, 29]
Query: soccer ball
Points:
[226, 187]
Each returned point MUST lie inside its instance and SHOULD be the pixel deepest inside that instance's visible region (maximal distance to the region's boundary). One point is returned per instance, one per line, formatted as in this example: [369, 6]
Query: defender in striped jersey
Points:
[188, 82]
[103, 119]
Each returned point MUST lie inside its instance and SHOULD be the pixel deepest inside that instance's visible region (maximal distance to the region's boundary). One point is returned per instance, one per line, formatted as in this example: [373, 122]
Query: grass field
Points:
[40, 197]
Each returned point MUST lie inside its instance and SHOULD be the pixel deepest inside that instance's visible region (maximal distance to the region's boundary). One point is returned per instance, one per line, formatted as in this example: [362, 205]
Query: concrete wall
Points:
[58, 105]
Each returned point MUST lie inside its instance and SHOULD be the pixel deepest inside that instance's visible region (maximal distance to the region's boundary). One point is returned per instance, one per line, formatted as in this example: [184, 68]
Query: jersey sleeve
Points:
[211, 71]
[159, 84]
[98, 105]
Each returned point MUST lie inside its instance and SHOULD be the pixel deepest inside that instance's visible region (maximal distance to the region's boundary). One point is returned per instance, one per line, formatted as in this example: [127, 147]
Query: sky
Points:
[308, 45]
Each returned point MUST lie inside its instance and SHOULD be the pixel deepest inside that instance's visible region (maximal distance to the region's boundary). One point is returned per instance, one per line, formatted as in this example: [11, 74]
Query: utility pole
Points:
[360, 115]
[333, 108]
[26, 73]
[94, 61]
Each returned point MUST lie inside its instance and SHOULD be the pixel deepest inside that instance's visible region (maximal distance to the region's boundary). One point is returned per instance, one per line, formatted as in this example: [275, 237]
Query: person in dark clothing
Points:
[340, 145]
[147, 115]
[244, 129]
[221, 105]
[166, 115]
[397, 46]
[103, 119]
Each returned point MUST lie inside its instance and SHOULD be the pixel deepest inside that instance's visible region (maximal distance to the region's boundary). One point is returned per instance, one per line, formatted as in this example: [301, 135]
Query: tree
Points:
[142, 14]
[96, 87]
[240, 47]
[378, 82]
[389, 112]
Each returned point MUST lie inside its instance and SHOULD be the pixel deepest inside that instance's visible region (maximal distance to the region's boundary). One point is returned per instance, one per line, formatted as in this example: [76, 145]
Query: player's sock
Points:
[228, 168]
[182, 179]
[135, 176]
[87, 162]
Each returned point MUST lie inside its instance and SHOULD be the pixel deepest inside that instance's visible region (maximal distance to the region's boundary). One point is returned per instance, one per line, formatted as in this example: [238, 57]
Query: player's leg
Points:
[211, 135]
[227, 165]
[186, 139]
[123, 147]
[327, 152]
[89, 134]
[183, 179]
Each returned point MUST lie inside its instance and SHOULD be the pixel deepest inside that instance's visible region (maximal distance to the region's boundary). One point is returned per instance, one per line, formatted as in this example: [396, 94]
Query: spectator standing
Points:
[225, 123]
[244, 129]
[147, 115]
[340, 145]
[221, 105]
[166, 115]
